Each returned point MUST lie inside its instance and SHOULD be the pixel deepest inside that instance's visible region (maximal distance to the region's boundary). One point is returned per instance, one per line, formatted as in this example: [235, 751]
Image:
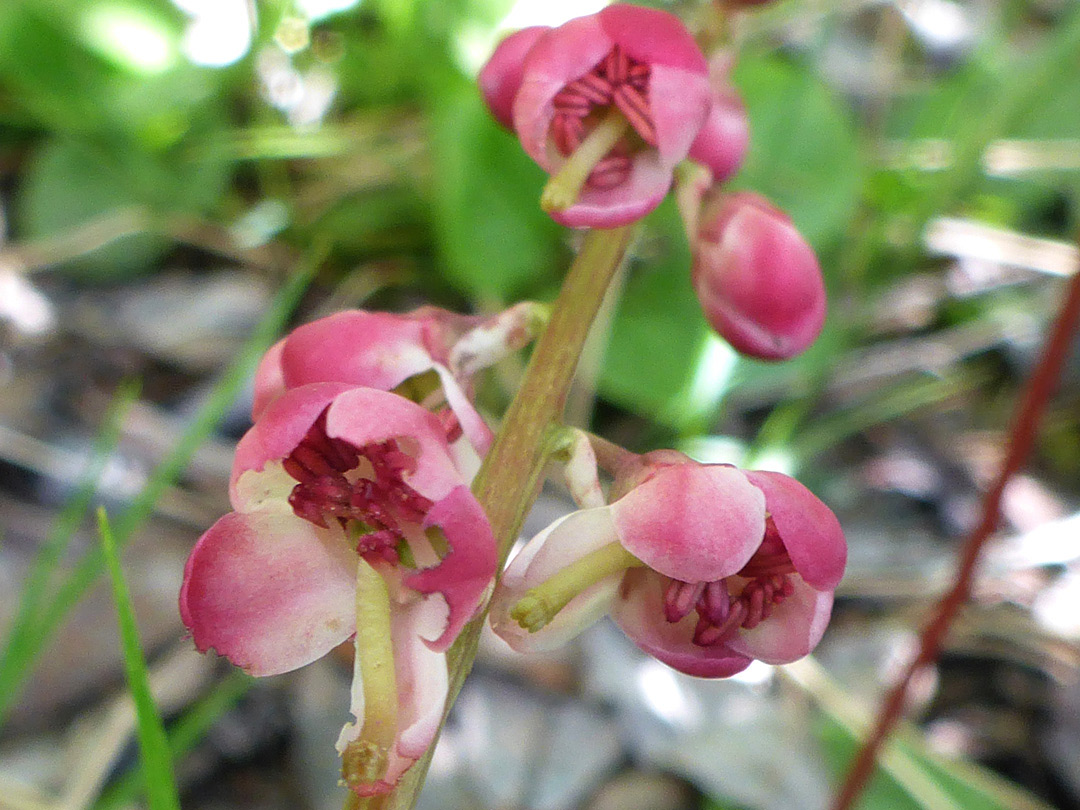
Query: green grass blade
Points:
[86, 573]
[182, 735]
[19, 649]
[154, 755]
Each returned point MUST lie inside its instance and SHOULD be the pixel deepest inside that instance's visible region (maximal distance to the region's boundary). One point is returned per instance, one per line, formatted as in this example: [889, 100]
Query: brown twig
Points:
[1022, 436]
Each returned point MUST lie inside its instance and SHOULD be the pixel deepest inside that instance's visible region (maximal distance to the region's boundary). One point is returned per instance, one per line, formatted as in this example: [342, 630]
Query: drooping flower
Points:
[704, 566]
[609, 104]
[758, 281]
[350, 518]
[383, 350]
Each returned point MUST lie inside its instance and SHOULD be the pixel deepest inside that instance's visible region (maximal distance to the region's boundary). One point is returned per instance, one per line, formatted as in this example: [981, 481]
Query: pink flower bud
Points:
[758, 281]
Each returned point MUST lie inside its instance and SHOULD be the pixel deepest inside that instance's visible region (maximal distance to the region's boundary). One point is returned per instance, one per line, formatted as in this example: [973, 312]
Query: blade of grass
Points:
[182, 736]
[86, 573]
[921, 773]
[154, 756]
[19, 647]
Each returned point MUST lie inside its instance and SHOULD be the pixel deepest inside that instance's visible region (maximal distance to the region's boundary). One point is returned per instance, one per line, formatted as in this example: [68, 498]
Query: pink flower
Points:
[758, 281]
[705, 567]
[333, 486]
[382, 350]
[626, 92]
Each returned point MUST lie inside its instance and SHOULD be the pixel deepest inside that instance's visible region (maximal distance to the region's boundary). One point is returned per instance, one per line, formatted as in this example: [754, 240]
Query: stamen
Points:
[365, 759]
[715, 603]
[636, 109]
[680, 598]
[541, 604]
[564, 187]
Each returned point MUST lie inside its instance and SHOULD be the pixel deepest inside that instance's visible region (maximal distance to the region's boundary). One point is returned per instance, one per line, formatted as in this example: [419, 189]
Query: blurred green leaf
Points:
[154, 752]
[803, 149]
[493, 238]
[659, 331]
[69, 182]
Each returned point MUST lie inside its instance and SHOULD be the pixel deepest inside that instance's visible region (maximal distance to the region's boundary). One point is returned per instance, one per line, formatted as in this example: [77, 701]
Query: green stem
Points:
[510, 478]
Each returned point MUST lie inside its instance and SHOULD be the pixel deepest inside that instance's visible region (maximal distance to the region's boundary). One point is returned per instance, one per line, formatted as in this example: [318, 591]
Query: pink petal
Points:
[270, 592]
[652, 36]
[632, 199]
[723, 140]
[639, 611]
[500, 78]
[281, 426]
[809, 529]
[472, 423]
[374, 349]
[364, 416]
[692, 522]
[563, 542]
[792, 631]
[464, 574]
[422, 684]
[556, 59]
[758, 281]
[269, 380]
[680, 102]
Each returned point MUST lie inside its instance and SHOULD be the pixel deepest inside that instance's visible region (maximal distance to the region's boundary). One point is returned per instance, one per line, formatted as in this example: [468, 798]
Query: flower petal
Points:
[562, 543]
[652, 36]
[640, 193]
[375, 349]
[792, 631]
[680, 102]
[809, 529]
[555, 59]
[464, 574]
[692, 522]
[364, 416]
[639, 611]
[500, 77]
[472, 423]
[270, 592]
[269, 380]
[422, 686]
[281, 426]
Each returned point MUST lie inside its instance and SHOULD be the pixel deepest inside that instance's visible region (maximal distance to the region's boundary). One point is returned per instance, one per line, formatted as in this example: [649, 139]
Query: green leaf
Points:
[494, 240]
[803, 149]
[69, 182]
[156, 760]
[20, 647]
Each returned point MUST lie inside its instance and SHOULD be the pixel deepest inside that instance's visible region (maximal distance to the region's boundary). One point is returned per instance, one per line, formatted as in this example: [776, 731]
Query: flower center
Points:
[363, 488]
[616, 81]
[767, 583]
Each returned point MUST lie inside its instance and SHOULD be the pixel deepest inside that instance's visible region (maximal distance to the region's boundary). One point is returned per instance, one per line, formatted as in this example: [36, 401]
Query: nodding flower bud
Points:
[758, 281]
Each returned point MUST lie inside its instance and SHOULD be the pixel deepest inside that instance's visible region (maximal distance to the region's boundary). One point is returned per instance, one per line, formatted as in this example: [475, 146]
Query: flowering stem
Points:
[510, 477]
[1022, 437]
[541, 604]
[563, 188]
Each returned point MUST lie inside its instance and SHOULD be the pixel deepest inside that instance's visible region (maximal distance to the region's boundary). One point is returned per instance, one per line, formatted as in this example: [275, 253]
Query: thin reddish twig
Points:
[1022, 436]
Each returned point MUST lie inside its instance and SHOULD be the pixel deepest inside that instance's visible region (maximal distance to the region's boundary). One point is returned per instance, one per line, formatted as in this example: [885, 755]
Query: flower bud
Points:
[758, 281]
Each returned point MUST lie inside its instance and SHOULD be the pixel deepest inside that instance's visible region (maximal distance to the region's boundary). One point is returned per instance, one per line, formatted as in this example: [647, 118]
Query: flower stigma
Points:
[541, 604]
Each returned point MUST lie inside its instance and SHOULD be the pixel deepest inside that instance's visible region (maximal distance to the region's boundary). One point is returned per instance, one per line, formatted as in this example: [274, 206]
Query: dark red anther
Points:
[379, 503]
[615, 80]
[680, 598]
